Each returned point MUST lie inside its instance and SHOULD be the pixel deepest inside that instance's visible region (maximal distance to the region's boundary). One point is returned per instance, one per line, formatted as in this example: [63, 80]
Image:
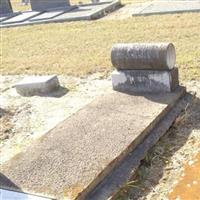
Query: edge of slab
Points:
[12, 195]
[125, 169]
[122, 156]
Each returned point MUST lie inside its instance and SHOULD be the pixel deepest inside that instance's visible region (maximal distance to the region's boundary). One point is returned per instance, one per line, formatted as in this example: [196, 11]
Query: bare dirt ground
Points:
[163, 167]
[23, 119]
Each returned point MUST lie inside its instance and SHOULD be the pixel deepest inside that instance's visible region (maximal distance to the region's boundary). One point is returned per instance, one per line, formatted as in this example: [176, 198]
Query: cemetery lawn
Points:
[83, 48]
[17, 5]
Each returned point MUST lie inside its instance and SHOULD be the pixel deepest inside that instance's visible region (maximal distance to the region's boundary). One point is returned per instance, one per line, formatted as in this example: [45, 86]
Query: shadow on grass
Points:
[153, 166]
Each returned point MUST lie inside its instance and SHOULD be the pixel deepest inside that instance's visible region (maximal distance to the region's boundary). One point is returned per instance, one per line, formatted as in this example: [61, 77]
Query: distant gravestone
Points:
[42, 5]
[5, 7]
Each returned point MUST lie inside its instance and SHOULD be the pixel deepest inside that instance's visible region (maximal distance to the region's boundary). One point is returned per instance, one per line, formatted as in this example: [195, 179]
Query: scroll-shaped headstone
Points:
[5, 7]
[42, 5]
[138, 56]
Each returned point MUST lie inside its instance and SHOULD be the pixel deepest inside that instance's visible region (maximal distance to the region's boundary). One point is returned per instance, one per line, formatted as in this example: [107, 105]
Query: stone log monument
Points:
[144, 67]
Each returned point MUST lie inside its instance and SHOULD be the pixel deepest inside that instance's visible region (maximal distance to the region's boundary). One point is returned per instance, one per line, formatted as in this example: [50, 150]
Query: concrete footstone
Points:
[37, 85]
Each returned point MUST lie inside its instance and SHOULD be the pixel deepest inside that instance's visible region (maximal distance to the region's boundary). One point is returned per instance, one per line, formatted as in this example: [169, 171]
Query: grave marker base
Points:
[145, 80]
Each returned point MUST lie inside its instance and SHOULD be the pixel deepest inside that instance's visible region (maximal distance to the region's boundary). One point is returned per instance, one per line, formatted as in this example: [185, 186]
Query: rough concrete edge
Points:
[122, 172]
[119, 159]
[174, 81]
[86, 17]
[104, 11]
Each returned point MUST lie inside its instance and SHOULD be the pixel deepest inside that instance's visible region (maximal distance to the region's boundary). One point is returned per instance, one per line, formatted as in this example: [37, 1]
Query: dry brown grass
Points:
[17, 5]
[81, 48]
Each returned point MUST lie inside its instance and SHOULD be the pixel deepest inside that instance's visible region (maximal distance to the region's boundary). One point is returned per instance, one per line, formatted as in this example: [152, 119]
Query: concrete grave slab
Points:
[3, 18]
[165, 7]
[11, 195]
[43, 5]
[52, 14]
[125, 170]
[5, 7]
[47, 15]
[89, 11]
[37, 85]
[82, 12]
[145, 80]
[74, 157]
[6, 17]
[22, 17]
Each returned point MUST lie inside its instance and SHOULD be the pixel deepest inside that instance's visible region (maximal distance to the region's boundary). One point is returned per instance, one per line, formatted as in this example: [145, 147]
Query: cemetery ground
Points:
[79, 52]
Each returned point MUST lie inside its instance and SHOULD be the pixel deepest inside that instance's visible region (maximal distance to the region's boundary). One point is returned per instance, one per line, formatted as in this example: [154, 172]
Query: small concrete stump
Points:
[38, 85]
[145, 80]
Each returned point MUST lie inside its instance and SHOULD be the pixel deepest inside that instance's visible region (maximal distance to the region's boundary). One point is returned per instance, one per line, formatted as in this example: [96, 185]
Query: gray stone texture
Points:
[39, 85]
[5, 7]
[166, 7]
[140, 56]
[145, 80]
[42, 5]
[126, 169]
[77, 154]
[47, 15]
[21, 17]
